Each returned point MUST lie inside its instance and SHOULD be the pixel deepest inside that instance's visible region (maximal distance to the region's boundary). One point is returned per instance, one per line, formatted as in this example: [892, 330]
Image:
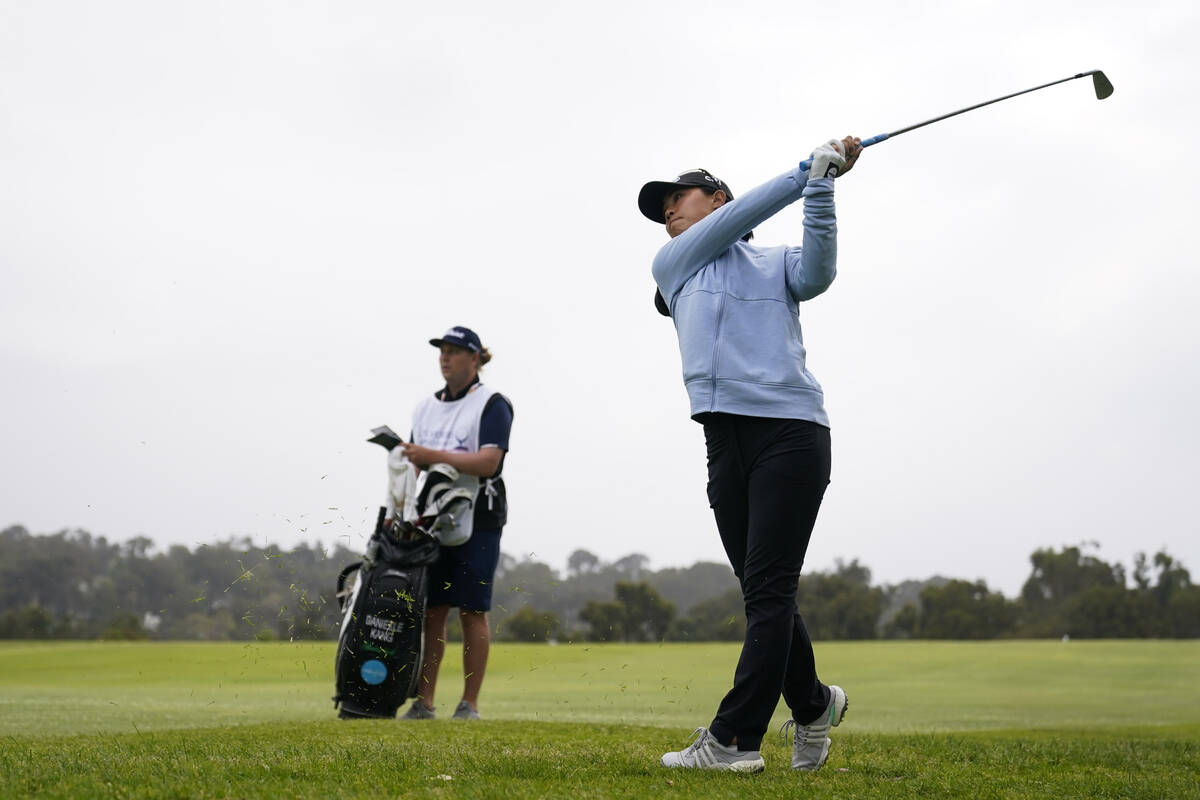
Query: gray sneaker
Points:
[707, 753]
[418, 710]
[810, 746]
[464, 711]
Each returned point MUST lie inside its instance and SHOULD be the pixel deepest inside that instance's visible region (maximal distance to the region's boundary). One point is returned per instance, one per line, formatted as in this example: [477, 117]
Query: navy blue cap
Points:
[460, 337]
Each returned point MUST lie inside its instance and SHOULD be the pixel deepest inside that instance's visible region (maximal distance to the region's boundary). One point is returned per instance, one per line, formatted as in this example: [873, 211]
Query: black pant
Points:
[766, 479]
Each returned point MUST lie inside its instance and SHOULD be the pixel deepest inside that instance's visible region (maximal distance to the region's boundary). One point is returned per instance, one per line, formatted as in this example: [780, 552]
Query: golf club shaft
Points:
[885, 136]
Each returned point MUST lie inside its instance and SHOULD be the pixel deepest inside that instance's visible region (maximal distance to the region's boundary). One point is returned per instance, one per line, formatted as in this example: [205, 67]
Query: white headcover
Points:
[443, 508]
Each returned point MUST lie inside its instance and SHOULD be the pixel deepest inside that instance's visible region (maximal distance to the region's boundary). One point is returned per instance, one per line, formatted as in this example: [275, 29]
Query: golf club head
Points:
[1103, 86]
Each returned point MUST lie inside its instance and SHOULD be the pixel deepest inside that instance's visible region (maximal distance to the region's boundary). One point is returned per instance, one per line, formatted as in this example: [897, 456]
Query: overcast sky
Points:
[227, 230]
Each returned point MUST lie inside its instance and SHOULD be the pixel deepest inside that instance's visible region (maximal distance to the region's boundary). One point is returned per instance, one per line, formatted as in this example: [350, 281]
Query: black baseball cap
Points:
[650, 199]
[460, 336]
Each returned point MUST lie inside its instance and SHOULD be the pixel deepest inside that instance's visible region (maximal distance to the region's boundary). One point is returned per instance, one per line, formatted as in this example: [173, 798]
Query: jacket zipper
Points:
[712, 395]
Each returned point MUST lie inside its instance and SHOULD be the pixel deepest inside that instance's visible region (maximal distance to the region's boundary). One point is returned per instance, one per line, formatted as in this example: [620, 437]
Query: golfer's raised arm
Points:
[811, 268]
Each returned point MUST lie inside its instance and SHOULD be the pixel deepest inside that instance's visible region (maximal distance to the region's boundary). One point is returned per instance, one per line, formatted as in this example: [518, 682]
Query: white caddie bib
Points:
[453, 426]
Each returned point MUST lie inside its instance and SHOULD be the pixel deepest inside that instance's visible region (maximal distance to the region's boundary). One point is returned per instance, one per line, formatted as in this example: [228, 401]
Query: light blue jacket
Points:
[736, 306]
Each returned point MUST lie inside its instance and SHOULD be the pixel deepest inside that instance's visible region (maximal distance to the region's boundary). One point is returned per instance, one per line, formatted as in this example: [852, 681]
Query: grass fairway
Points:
[928, 719]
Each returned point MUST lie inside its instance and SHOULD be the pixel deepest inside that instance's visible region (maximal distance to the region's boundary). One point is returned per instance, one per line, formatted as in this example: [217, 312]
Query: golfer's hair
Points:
[485, 356]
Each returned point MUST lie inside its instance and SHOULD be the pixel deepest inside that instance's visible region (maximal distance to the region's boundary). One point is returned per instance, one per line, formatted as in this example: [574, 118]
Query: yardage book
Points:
[385, 437]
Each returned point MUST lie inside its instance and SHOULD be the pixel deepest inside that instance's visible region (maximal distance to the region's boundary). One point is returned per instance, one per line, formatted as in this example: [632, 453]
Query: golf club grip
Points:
[805, 165]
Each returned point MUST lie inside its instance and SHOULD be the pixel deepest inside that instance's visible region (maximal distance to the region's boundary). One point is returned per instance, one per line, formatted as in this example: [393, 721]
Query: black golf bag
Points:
[381, 643]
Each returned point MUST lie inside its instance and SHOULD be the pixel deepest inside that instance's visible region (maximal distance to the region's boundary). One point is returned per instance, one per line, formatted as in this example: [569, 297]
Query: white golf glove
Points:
[827, 160]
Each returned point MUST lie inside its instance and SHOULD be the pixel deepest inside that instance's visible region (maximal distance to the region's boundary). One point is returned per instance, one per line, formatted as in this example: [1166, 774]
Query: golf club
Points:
[1102, 85]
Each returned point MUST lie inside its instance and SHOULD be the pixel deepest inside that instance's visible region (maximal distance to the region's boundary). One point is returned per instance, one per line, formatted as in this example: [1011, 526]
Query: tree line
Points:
[71, 584]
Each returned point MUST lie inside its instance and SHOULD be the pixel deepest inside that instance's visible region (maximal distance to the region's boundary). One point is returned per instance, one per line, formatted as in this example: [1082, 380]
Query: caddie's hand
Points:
[853, 149]
[421, 456]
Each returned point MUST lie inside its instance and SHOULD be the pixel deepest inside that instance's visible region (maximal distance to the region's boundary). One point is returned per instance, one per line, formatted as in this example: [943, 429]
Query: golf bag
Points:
[381, 644]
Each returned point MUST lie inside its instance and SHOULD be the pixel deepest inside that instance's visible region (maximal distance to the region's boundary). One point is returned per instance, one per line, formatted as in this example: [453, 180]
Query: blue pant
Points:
[464, 575]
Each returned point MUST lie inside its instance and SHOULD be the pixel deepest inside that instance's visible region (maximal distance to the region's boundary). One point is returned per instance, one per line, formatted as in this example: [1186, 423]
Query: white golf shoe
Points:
[707, 753]
[810, 745]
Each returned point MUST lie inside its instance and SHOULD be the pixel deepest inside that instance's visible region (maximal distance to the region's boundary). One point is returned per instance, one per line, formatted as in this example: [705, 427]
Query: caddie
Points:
[735, 306]
[465, 425]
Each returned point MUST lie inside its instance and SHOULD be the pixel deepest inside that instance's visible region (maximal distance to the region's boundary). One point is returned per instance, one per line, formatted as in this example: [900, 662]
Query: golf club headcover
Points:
[444, 508]
[433, 481]
[827, 160]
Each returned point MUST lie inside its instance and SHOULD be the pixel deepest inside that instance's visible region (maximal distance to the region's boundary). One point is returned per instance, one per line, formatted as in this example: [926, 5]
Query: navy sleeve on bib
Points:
[496, 422]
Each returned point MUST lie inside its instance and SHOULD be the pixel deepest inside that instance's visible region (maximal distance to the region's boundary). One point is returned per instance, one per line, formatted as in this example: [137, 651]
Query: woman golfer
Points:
[735, 308]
